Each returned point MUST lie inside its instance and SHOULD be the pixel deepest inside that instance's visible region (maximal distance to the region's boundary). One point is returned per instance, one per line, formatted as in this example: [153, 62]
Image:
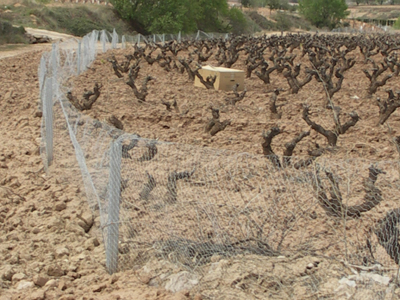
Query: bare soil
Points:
[18, 49]
[50, 243]
[250, 117]
[40, 239]
[377, 12]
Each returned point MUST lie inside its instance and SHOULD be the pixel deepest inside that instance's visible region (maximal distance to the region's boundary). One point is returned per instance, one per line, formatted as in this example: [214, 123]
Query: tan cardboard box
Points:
[226, 78]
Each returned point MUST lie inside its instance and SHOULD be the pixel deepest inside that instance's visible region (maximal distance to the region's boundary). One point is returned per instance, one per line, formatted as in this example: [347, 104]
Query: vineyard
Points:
[296, 82]
[300, 165]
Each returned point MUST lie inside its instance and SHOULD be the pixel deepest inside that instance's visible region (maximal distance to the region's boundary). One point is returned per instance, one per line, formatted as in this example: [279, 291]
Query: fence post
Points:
[103, 40]
[123, 42]
[179, 37]
[79, 57]
[54, 62]
[154, 38]
[114, 187]
[48, 119]
[138, 40]
[114, 40]
[42, 76]
[85, 53]
[163, 39]
[93, 41]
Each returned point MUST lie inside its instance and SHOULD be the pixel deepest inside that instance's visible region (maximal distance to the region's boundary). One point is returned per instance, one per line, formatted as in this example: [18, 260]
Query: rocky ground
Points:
[51, 246]
[249, 117]
[48, 245]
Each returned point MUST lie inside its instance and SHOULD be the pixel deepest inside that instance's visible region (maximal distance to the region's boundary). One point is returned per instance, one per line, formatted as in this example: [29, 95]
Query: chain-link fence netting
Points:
[196, 206]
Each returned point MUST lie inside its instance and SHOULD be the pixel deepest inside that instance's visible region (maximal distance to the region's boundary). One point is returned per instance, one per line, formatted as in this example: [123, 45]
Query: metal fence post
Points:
[79, 57]
[42, 79]
[42, 73]
[114, 40]
[123, 42]
[54, 62]
[103, 40]
[114, 187]
[48, 119]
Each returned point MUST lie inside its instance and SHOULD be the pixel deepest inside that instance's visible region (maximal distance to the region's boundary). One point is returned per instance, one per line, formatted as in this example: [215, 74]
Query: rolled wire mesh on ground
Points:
[193, 206]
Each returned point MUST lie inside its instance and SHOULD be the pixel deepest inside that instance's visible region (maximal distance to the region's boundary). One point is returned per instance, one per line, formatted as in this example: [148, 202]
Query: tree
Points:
[245, 3]
[274, 4]
[254, 3]
[171, 16]
[396, 24]
[210, 14]
[237, 21]
[323, 13]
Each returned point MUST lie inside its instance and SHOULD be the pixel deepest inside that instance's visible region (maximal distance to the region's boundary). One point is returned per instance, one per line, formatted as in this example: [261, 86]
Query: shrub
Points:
[283, 21]
[261, 21]
[12, 35]
[324, 13]
[396, 24]
[237, 21]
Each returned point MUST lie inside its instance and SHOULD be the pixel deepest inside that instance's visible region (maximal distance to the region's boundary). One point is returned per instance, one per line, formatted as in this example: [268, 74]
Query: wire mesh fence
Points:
[194, 206]
[364, 30]
[189, 204]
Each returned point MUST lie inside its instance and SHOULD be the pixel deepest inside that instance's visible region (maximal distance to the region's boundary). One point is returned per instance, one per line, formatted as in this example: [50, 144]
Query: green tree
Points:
[254, 3]
[274, 4]
[323, 13]
[171, 16]
[245, 3]
[396, 24]
[211, 15]
[237, 21]
[156, 16]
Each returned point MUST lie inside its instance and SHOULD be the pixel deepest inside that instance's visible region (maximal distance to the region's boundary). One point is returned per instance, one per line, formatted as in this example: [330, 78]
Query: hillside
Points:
[75, 19]
[375, 12]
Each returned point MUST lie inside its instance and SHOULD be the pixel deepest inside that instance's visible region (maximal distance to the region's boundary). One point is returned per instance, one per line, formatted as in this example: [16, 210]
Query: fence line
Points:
[114, 196]
[48, 108]
[189, 204]
[68, 59]
[99, 2]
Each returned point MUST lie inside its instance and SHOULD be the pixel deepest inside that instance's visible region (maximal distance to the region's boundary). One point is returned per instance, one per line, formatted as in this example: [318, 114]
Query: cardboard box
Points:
[226, 78]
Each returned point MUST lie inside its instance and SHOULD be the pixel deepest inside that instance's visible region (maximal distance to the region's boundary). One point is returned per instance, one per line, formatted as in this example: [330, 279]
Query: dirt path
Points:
[7, 51]
[15, 50]
[55, 36]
